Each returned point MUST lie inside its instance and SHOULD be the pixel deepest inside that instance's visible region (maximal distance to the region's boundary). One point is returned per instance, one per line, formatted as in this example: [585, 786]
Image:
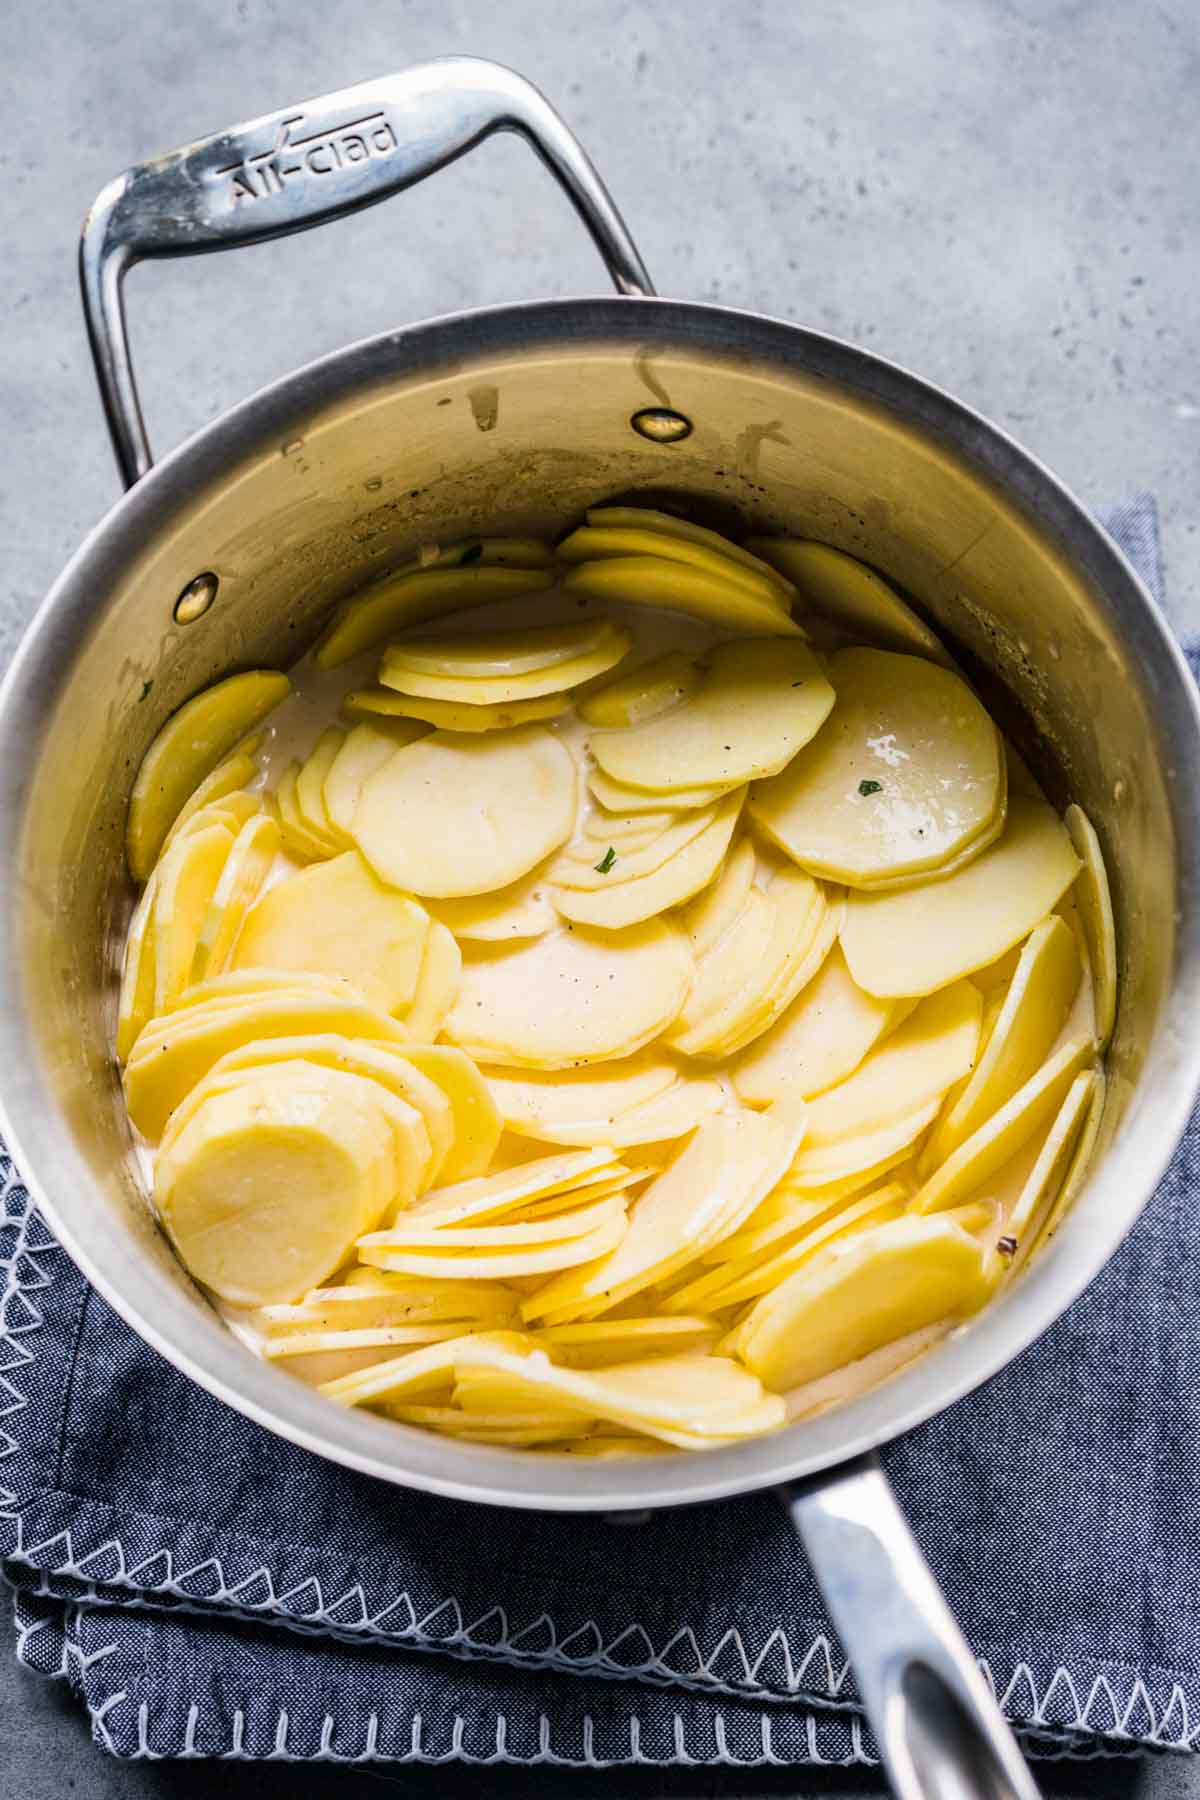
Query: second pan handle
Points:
[293, 169]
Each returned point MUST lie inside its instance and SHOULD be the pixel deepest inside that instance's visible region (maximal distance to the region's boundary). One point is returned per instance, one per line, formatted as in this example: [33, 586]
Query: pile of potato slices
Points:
[657, 1002]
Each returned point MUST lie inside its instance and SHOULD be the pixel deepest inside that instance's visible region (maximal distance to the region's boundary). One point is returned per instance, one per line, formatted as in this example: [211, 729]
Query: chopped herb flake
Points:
[606, 861]
[146, 686]
[471, 554]
[870, 787]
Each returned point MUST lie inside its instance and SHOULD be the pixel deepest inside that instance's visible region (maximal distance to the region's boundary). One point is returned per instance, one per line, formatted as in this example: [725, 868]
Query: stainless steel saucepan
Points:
[231, 551]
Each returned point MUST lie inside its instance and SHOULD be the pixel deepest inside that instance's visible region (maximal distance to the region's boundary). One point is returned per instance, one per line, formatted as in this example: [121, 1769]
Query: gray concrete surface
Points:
[998, 193]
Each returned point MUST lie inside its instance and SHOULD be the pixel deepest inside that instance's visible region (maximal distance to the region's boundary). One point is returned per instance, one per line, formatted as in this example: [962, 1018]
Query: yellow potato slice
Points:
[574, 996]
[861, 1293]
[906, 773]
[246, 868]
[474, 655]
[387, 1339]
[917, 1063]
[489, 1196]
[235, 985]
[633, 899]
[1094, 900]
[844, 1167]
[818, 1041]
[639, 518]
[804, 935]
[923, 937]
[506, 690]
[759, 704]
[364, 749]
[407, 1232]
[532, 1104]
[169, 1058]
[183, 889]
[601, 1342]
[726, 1168]
[988, 1148]
[661, 582]
[453, 815]
[1024, 1032]
[1025, 1220]
[413, 596]
[711, 914]
[437, 985]
[726, 971]
[576, 867]
[521, 910]
[136, 1004]
[366, 1298]
[595, 542]
[630, 830]
[233, 776]
[1080, 1165]
[189, 746]
[267, 1187]
[406, 1378]
[967, 854]
[450, 715]
[476, 1120]
[617, 797]
[522, 1260]
[852, 595]
[337, 918]
[652, 688]
[298, 840]
[310, 786]
[668, 1115]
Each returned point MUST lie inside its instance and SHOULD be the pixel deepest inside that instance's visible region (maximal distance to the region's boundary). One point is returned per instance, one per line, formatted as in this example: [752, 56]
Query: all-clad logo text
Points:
[320, 153]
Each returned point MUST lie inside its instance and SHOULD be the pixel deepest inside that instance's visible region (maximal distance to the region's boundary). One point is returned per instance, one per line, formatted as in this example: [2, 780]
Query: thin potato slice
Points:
[298, 839]
[506, 690]
[923, 937]
[617, 797]
[337, 918]
[1094, 900]
[639, 518]
[631, 830]
[861, 1293]
[390, 1338]
[576, 867]
[453, 815]
[652, 688]
[850, 594]
[451, 715]
[476, 1121]
[805, 933]
[668, 1115]
[437, 985]
[532, 1104]
[1024, 1222]
[759, 704]
[594, 542]
[905, 775]
[1080, 1165]
[843, 1167]
[416, 1374]
[471, 655]
[634, 899]
[310, 787]
[988, 1148]
[541, 1258]
[184, 886]
[710, 915]
[1025, 1031]
[601, 1342]
[233, 776]
[490, 1196]
[660, 581]
[136, 1004]
[413, 596]
[189, 746]
[521, 910]
[251, 857]
[726, 971]
[368, 1298]
[364, 749]
[409, 1232]
[574, 996]
[235, 985]
[821, 1039]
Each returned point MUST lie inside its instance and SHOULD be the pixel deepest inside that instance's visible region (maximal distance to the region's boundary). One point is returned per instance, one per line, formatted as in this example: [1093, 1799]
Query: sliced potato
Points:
[337, 918]
[645, 518]
[473, 655]
[594, 542]
[850, 594]
[660, 581]
[617, 797]
[818, 1041]
[905, 775]
[668, 1115]
[760, 703]
[923, 937]
[491, 1196]
[189, 746]
[1025, 1030]
[861, 1293]
[136, 1004]
[455, 1258]
[601, 1342]
[183, 889]
[409, 1231]
[233, 776]
[235, 986]
[1024, 1221]
[934, 1047]
[364, 749]
[413, 596]
[408, 1377]
[1080, 1165]
[727, 970]
[632, 830]
[298, 840]
[453, 815]
[571, 997]
[521, 910]
[310, 787]
[476, 1120]
[1094, 899]
[533, 1104]
[374, 1298]
[451, 715]
[576, 867]
[249, 862]
[652, 688]
[847, 1166]
[611, 645]
[711, 914]
[437, 985]
[635, 898]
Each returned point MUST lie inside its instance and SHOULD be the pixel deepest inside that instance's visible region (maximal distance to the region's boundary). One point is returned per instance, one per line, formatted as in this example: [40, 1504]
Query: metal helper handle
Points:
[940, 1732]
[293, 169]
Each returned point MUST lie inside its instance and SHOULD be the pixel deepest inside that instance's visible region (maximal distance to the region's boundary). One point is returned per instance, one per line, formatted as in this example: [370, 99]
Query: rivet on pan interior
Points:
[196, 598]
[661, 424]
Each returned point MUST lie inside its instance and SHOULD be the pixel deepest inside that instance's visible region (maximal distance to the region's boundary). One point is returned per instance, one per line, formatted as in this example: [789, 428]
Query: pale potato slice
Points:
[368, 1297]
[310, 786]
[413, 1232]
[601, 1342]
[1094, 899]
[923, 937]
[967, 854]
[170, 1057]
[1001, 1136]
[657, 1121]
[861, 1293]
[234, 985]
[522, 1260]
[1080, 1165]
[1025, 1220]
[231, 810]
[521, 910]
[805, 933]
[413, 596]
[905, 775]
[660, 581]
[233, 776]
[1025, 1030]
[576, 867]
[506, 690]
[388, 1339]
[725, 972]
[268, 1186]
[633, 899]
[617, 797]
[574, 996]
[711, 914]
[645, 518]
[136, 1003]
[843, 1168]
[821, 1038]
[339, 919]
[298, 840]
[189, 746]
[490, 1196]
[183, 889]
[453, 815]
[472, 655]
[447, 715]
[850, 594]
[532, 1104]
[408, 1377]
[594, 542]
[364, 749]
[437, 985]
[759, 704]
[630, 829]
[476, 1120]
[783, 1215]
[935, 1047]
[250, 860]
[652, 688]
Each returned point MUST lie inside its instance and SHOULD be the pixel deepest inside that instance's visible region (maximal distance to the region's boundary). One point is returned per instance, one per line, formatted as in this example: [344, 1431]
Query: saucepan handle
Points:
[295, 168]
[940, 1732]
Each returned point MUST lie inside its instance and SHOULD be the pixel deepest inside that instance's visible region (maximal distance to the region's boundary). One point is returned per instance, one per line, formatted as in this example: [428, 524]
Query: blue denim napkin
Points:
[209, 1590]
